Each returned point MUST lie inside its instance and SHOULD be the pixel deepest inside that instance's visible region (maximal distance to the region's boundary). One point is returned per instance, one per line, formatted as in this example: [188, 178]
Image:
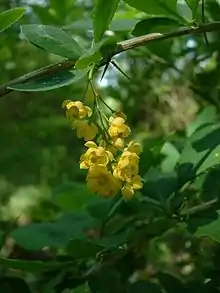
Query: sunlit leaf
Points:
[8, 17]
[104, 12]
[52, 39]
[201, 152]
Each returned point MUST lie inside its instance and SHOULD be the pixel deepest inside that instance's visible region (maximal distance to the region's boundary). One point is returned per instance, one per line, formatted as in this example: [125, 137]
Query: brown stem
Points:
[121, 47]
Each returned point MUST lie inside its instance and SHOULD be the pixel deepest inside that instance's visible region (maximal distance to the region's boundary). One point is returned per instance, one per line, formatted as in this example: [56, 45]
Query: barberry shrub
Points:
[135, 224]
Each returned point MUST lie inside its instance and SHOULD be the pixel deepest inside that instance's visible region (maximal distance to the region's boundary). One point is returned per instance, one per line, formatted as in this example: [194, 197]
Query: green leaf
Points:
[207, 226]
[155, 7]
[143, 287]
[56, 234]
[52, 39]
[51, 81]
[8, 17]
[159, 186]
[207, 115]
[184, 11]
[71, 196]
[201, 152]
[99, 208]
[83, 249]
[157, 24]
[104, 12]
[100, 50]
[151, 155]
[193, 5]
[171, 157]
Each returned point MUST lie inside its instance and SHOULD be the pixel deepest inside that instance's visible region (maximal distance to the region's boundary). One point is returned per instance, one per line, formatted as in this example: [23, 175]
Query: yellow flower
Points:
[134, 147]
[117, 114]
[118, 128]
[101, 181]
[95, 155]
[127, 167]
[85, 129]
[77, 109]
[130, 187]
[118, 142]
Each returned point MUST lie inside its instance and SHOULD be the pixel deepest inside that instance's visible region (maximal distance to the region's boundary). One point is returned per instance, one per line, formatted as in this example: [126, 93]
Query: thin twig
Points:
[121, 47]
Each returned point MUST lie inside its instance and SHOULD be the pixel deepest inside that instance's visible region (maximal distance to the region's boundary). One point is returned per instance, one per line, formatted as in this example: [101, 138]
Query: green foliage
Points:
[8, 17]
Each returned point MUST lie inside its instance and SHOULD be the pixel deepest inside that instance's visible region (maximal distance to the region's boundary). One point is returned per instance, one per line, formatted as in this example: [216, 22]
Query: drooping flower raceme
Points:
[111, 161]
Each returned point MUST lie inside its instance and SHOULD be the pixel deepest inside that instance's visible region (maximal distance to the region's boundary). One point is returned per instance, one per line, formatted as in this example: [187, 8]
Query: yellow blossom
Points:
[134, 147]
[118, 128]
[77, 109]
[117, 114]
[130, 187]
[85, 129]
[127, 167]
[95, 155]
[101, 181]
[118, 142]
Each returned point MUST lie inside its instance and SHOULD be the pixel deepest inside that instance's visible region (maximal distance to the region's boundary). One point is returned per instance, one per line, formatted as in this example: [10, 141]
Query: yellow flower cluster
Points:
[78, 114]
[112, 164]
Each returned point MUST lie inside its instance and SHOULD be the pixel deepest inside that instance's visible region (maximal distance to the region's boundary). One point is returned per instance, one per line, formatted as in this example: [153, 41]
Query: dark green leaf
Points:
[207, 226]
[100, 208]
[151, 155]
[104, 12]
[8, 17]
[157, 24]
[193, 5]
[56, 234]
[144, 286]
[97, 52]
[71, 196]
[83, 249]
[201, 152]
[159, 186]
[155, 7]
[52, 81]
[52, 39]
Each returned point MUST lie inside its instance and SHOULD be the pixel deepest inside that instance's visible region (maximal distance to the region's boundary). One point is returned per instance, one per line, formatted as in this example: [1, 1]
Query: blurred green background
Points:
[173, 83]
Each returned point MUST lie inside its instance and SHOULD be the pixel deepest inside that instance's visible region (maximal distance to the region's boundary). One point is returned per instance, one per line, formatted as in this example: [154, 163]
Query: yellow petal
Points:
[127, 191]
[65, 103]
[90, 144]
